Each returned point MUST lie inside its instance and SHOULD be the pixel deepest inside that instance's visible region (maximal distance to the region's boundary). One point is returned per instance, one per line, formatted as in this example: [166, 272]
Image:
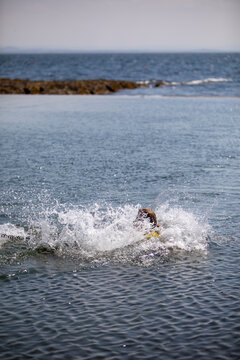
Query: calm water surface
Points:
[74, 171]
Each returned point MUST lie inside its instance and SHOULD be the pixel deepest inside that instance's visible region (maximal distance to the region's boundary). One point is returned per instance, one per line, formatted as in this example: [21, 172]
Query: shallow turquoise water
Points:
[75, 170]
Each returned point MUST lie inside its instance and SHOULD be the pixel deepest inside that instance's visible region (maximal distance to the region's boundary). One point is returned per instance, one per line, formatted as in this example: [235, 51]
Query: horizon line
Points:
[16, 51]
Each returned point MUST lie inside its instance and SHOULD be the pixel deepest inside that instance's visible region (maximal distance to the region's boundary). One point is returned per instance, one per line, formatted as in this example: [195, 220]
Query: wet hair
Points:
[146, 214]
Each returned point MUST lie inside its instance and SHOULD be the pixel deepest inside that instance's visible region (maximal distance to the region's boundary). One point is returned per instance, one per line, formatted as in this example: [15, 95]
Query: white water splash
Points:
[181, 229]
[94, 229]
[9, 231]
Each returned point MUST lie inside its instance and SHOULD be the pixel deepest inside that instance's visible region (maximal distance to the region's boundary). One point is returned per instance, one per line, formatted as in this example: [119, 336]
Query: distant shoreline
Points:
[72, 87]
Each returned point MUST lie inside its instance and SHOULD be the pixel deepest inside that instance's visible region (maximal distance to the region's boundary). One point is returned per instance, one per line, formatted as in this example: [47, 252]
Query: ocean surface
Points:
[183, 74]
[77, 280]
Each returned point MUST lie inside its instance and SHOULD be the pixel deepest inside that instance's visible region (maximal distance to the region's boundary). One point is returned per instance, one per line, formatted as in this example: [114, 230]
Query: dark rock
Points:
[160, 83]
[80, 87]
[26, 91]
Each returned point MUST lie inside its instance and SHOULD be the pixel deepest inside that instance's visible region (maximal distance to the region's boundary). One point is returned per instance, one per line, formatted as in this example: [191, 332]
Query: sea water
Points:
[77, 279]
[182, 73]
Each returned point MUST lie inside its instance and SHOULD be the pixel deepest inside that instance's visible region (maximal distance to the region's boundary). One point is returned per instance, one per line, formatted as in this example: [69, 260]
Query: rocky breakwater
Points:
[74, 87]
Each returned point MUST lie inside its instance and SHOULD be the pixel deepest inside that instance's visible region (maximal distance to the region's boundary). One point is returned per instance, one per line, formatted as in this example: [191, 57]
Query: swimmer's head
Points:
[146, 214]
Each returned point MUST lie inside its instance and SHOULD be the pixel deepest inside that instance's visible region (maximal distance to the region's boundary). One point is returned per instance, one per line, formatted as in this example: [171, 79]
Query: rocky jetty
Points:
[74, 87]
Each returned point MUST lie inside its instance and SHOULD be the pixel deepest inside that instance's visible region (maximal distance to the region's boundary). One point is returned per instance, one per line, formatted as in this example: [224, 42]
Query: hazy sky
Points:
[130, 25]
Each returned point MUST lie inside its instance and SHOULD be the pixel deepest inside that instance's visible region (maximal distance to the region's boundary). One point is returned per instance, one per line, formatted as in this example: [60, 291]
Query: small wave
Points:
[144, 82]
[160, 83]
[204, 81]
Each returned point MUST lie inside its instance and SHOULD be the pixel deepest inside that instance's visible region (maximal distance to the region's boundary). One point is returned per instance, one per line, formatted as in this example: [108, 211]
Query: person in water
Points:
[150, 216]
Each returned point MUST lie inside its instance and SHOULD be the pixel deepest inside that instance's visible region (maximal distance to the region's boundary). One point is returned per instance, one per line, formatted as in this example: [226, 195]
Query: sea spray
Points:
[96, 229]
[102, 233]
[10, 231]
[92, 229]
[181, 229]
